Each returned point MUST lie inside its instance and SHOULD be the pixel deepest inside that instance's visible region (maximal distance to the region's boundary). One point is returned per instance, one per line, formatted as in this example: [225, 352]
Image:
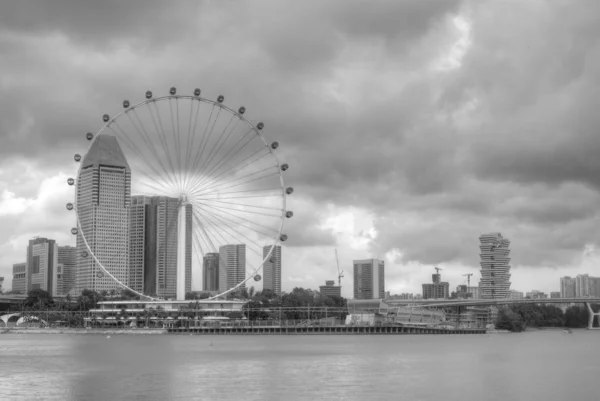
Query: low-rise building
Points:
[555, 294]
[330, 289]
[514, 294]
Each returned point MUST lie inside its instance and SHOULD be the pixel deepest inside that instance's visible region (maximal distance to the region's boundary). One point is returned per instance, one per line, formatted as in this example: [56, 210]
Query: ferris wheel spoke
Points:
[238, 210]
[228, 156]
[198, 155]
[226, 173]
[206, 140]
[190, 141]
[143, 133]
[141, 155]
[164, 139]
[218, 146]
[225, 214]
[247, 205]
[212, 218]
[230, 184]
[219, 197]
[175, 133]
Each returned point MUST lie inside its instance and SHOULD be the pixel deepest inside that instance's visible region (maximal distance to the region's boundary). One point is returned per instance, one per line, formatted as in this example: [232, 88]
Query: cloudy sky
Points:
[411, 127]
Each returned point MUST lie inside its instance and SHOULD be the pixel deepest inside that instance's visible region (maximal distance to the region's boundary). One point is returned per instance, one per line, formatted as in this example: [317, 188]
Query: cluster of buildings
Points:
[138, 240]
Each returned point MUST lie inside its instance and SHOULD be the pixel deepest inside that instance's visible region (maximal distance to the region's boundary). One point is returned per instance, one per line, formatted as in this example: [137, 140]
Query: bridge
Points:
[446, 303]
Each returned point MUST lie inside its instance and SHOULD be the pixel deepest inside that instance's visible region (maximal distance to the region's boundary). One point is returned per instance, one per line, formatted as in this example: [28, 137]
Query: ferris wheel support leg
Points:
[181, 231]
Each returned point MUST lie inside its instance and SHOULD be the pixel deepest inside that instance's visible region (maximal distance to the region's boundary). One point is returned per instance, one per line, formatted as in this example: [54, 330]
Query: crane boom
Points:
[437, 270]
[468, 279]
[340, 272]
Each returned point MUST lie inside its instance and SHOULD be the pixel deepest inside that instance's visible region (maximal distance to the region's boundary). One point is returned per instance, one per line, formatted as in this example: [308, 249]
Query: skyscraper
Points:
[582, 285]
[210, 272]
[19, 283]
[232, 266]
[67, 260]
[103, 198]
[153, 238]
[42, 260]
[495, 268]
[272, 269]
[567, 287]
[369, 279]
[1, 284]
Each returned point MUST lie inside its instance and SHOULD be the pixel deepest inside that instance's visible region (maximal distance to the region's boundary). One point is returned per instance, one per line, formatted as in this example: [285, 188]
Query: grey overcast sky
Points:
[411, 127]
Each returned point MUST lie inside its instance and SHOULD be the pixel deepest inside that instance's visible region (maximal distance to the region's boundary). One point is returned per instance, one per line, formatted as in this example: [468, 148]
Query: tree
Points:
[509, 320]
[38, 299]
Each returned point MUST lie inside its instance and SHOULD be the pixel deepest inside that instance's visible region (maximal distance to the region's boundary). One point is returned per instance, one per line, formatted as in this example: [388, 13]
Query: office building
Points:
[210, 272]
[535, 294]
[567, 287]
[42, 261]
[67, 268]
[153, 240]
[582, 285]
[19, 281]
[594, 286]
[474, 291]
[495, 268]
[1, 284]
[514, 294]
[437, 289]
[272, 269]
[369, 279]
[555, 294]
[232, 266]
[330, 289]
[103, 199]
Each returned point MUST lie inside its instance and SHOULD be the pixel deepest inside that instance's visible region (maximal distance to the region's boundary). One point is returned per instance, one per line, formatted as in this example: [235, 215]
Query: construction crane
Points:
[340, 272]
[437, 270]
[468, 275]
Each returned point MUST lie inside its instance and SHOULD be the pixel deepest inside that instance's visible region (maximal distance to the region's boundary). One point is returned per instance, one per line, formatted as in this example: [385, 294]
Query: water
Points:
[541, 365]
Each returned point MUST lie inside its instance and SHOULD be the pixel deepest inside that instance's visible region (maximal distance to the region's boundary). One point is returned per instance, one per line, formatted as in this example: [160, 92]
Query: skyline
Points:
[407, 140]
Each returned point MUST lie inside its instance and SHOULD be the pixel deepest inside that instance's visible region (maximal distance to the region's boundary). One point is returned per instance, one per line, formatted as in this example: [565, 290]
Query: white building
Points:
[369, 279]
[272, 269]
[495, 268]
[232, 266]
[103, 198]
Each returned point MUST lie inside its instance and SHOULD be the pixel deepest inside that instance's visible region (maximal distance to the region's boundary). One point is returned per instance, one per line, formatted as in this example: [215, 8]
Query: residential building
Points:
[42, 260]
[595, 286]
[330, 289]
[272, 269]
[555, 294]
[474, 291]
[210, 272]
[67, 268]
[1, 284]
[567, 287]
[19, 281]
[514, 294]
[369, 279]
[153, 241]
[232, 266]
[535, 294]
[437, 289]
[103, 199]
[582, 285]
[495, 268]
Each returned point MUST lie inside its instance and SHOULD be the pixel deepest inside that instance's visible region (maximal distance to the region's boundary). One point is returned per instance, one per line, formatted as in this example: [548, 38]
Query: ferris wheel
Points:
[173, 186]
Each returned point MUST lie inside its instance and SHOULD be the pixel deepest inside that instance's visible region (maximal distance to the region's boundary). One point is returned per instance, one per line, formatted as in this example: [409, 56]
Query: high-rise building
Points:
[495, 268]
[369, 279]
[1, 284]
[232, 266]
[210, 272]
[103, 198]
[582, 285]
[330, 289]
[567, 287]
[437, 289]
[19, 282]
[67, 264]
[594, 286]
[474, 291]
[272, 269]
[153, 239]
[42, 260]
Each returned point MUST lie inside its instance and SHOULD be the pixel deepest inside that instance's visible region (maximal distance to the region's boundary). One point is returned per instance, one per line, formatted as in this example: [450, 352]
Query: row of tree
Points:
[518, 317]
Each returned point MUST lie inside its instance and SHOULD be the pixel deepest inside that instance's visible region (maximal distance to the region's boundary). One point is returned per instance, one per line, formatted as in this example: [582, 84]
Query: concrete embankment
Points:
[84, 331]
[323, 330]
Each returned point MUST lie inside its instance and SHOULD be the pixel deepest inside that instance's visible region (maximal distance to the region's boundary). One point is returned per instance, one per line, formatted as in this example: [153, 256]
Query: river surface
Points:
[539, 365]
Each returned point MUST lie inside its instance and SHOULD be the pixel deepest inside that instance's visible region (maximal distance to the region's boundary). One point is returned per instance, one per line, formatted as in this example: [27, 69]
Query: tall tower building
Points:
[42, 260]
[567, 287]
[210, 272]
[272, 269]
[67, 260]
[103, 198]
[232, 266]
[495, 268]
[19, 282]
[582, 285]
[369, 279]
[153, 238]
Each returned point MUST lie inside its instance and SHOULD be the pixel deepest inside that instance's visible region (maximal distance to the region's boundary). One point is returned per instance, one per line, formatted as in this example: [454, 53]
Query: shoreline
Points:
[83, 331]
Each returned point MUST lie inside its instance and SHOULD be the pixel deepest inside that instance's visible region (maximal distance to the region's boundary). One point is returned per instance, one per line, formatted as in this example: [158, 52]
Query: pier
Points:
[321, 330]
